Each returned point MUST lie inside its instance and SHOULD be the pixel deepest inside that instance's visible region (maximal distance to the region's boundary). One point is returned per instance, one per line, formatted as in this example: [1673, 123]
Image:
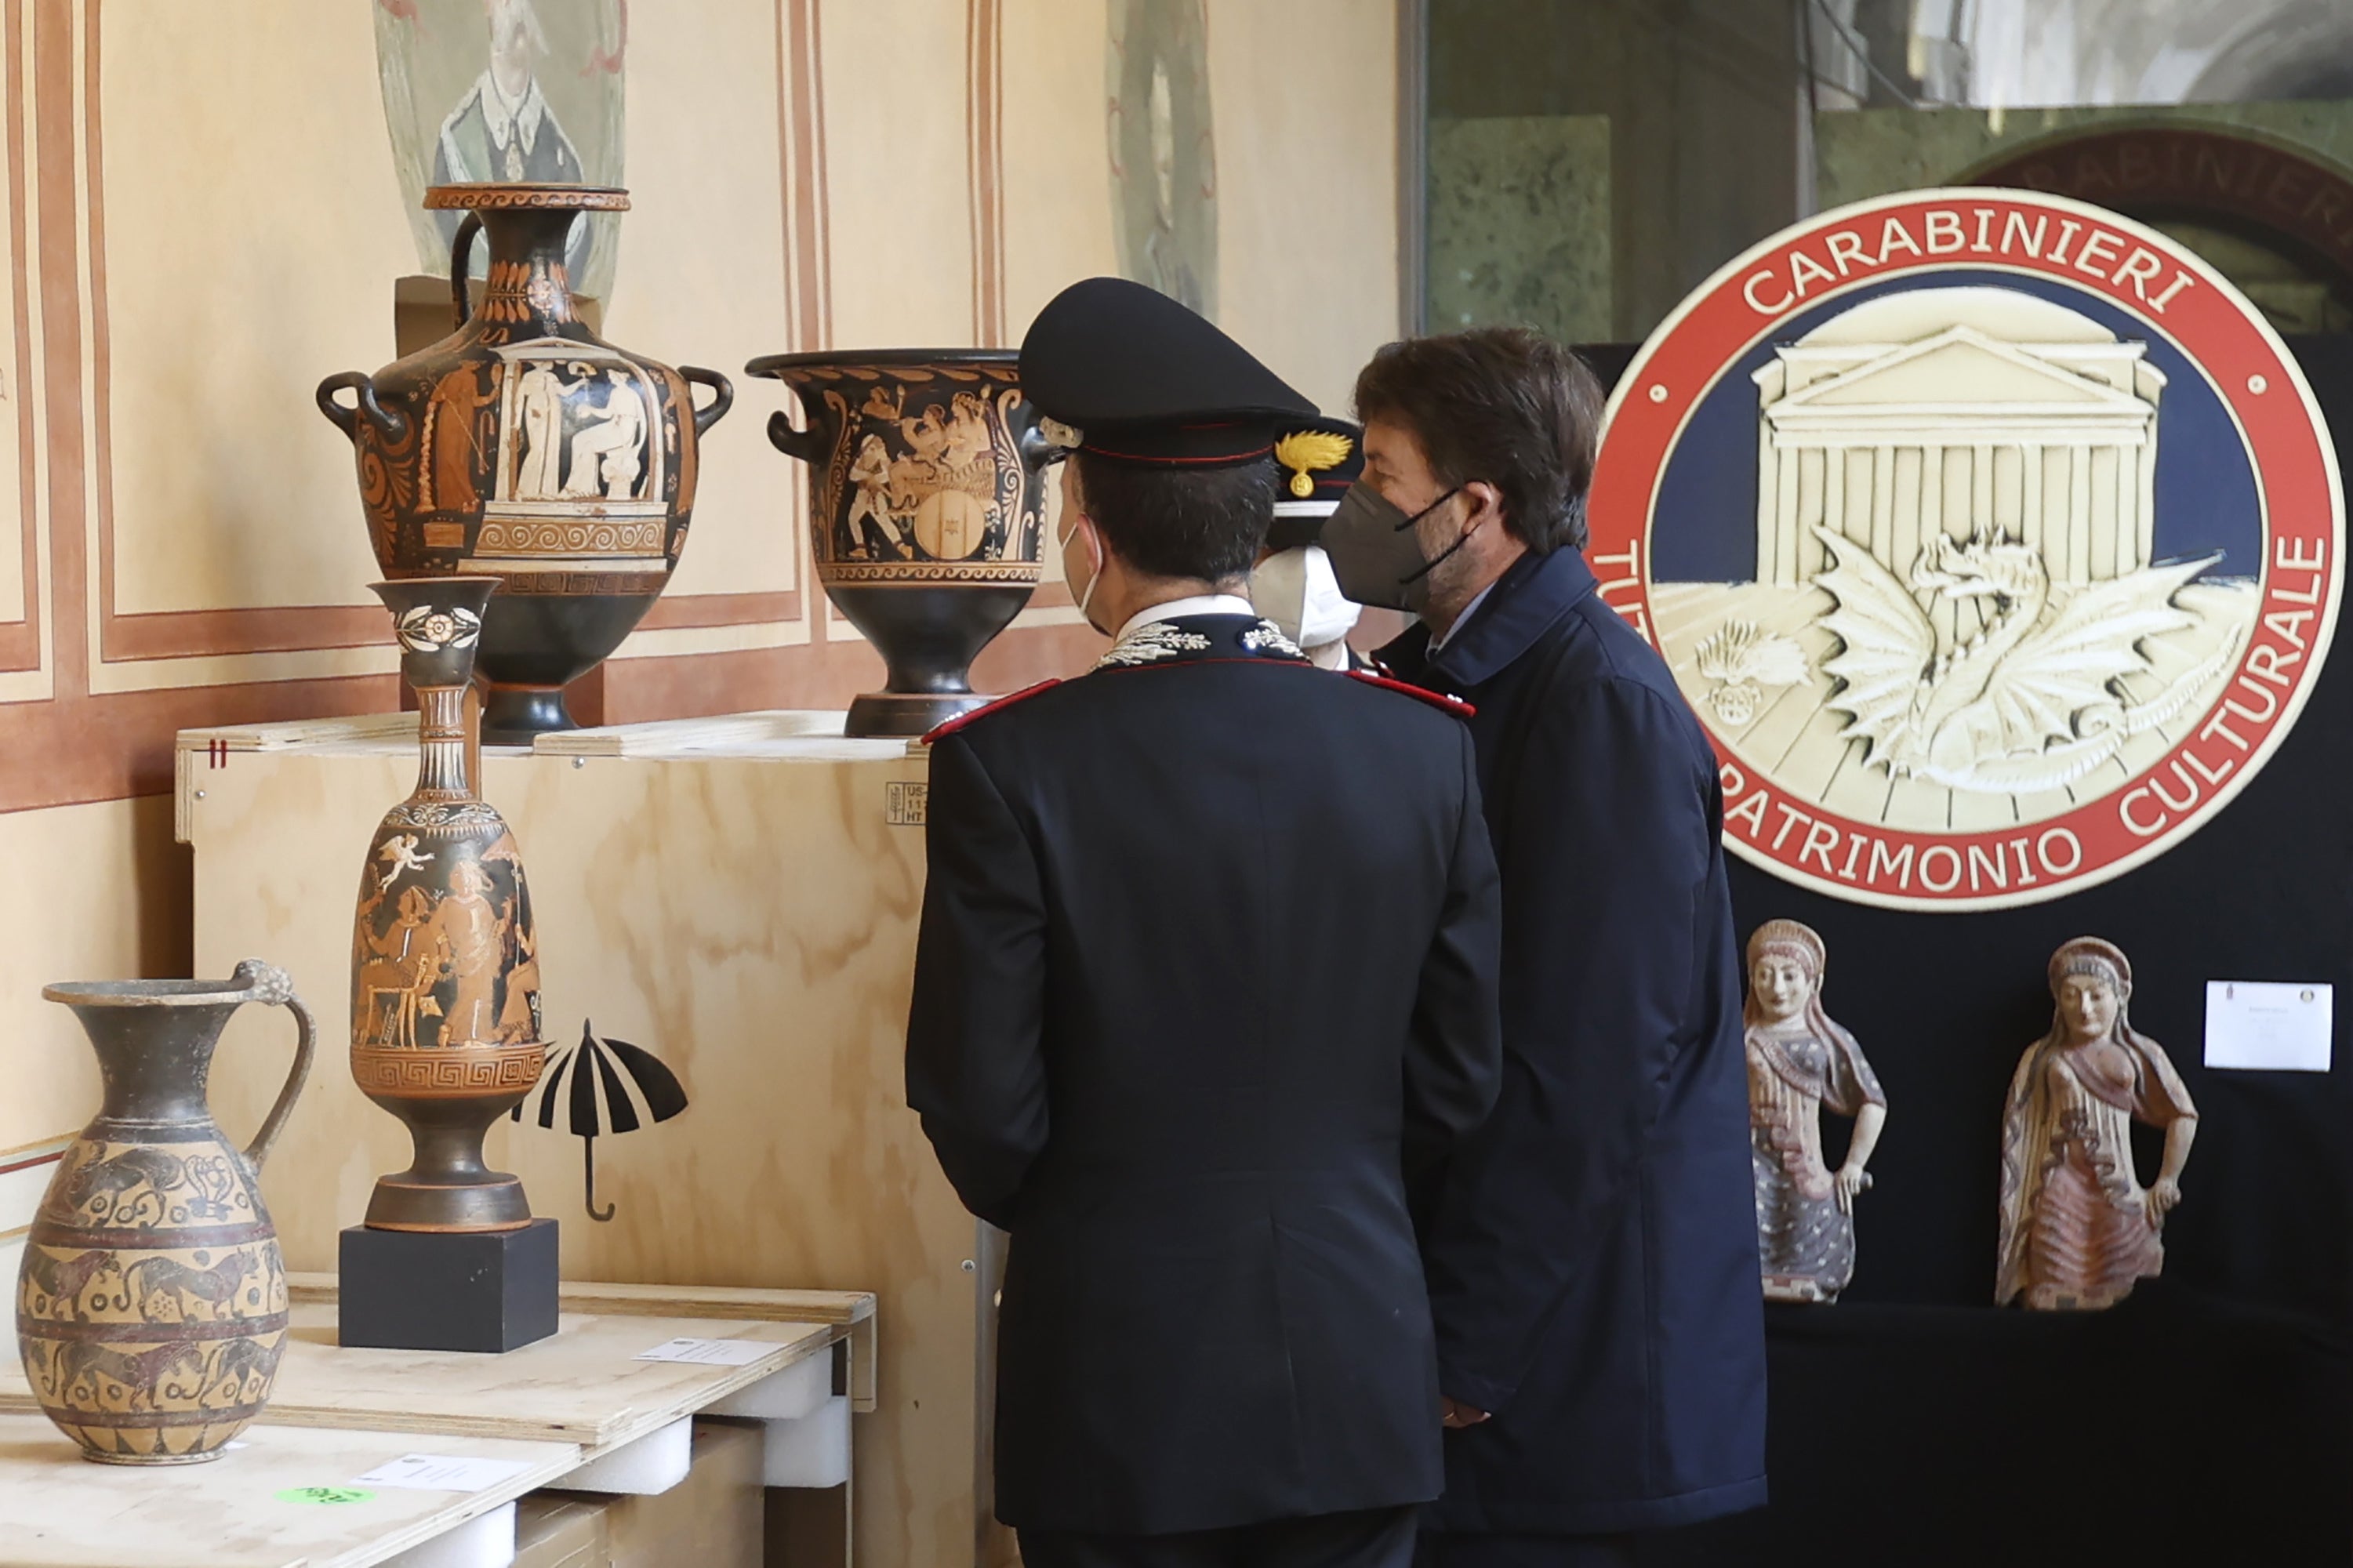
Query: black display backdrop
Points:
[2209, 1418]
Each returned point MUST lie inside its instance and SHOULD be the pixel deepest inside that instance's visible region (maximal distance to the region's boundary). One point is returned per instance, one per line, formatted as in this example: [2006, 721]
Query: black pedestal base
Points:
[482, 1290]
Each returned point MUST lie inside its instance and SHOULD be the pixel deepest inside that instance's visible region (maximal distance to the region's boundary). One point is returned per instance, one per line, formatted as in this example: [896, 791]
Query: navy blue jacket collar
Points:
[1529, 599]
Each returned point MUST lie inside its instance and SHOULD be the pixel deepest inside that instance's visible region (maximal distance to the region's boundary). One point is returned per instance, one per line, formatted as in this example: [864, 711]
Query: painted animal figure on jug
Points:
[159, 1284]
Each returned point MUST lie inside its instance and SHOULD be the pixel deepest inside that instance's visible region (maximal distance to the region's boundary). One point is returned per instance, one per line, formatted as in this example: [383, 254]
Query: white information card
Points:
[441, 1473]
[2282, 1026]
[708, 1353]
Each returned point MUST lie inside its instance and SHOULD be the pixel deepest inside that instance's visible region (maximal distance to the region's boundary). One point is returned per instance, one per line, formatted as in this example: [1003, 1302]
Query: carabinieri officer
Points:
[1207, 965]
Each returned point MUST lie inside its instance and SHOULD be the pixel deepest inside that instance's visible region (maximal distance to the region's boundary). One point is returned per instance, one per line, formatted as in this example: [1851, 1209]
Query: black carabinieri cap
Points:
[1320, 459]
[1124, 373]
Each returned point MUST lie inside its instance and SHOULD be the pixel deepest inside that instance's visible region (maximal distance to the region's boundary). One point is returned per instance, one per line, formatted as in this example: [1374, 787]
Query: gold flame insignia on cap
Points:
[1305, 451]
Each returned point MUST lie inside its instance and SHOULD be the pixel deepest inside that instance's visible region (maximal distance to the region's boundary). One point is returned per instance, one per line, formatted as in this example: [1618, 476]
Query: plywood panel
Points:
[99, 871]
[580, 1385]
[750, 920]
[851, 1310]
[58, 1510]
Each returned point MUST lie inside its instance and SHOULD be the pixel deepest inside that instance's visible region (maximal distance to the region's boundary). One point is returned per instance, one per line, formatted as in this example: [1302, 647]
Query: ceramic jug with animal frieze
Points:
[150, 1299]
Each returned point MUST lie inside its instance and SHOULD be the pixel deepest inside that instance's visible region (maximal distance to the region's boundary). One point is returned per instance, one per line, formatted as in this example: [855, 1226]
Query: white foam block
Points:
[812, 1451]
[786, 1395]
[487, 1541]
[654, 1463]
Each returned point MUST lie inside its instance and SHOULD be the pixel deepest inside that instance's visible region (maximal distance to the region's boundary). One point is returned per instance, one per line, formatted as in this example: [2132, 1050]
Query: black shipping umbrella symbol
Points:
[586, 1068]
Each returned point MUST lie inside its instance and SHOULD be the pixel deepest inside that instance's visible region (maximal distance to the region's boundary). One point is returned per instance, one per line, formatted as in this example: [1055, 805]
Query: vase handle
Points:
[390, 421]
[723, 395]
[461, 258]
[805, 445]
[269, 984]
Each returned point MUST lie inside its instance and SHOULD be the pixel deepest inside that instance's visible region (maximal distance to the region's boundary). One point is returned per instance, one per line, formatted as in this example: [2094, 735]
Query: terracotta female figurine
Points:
[1798, 1062]
[2077, 1227]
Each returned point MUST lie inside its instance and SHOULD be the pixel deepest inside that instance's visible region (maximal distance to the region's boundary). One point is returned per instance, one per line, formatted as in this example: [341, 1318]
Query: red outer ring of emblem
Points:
[2206, 318]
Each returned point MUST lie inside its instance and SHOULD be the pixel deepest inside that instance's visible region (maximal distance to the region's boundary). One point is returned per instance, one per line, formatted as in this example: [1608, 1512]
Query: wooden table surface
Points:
[58, 1510]
[853, 1310]
[581, 1386]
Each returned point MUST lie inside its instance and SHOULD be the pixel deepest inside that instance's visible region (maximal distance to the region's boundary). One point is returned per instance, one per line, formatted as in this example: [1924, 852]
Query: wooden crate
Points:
[740, 902]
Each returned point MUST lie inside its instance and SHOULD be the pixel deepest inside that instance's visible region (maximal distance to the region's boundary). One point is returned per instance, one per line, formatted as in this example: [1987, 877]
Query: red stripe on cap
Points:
[1139, 458]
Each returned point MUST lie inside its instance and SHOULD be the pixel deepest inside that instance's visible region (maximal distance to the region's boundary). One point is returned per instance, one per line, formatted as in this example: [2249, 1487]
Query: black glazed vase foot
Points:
[511, 715]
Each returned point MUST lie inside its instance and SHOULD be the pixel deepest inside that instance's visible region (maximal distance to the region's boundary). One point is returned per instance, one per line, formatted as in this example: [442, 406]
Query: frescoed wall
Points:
[209, 207]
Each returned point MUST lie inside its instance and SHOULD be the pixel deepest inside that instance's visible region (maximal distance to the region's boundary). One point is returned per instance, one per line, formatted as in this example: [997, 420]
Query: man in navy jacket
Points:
[1592, 1250]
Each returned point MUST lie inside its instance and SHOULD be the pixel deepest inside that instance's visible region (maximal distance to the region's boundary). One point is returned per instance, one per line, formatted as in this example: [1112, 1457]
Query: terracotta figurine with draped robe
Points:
[2077, 1227]
[1801, 1063]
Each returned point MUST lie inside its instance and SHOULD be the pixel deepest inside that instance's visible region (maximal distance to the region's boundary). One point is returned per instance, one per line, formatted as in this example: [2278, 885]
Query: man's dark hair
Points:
[1502, 404]
[1175, 522]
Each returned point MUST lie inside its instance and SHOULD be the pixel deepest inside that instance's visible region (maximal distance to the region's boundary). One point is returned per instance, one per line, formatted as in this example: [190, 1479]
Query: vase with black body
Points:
[525, 446]
[151, 1299]
[445, 969]
[926, 514]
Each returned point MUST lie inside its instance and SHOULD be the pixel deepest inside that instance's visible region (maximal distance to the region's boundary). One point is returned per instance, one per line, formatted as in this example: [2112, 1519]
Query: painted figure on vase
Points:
[526, 447]
[926, 516]
[1801, 1063]
[2077, 1227]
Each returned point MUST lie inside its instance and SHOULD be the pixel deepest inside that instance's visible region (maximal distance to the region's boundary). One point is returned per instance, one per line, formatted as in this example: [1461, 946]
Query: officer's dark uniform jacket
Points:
[1206, 957]
[1592, 1252]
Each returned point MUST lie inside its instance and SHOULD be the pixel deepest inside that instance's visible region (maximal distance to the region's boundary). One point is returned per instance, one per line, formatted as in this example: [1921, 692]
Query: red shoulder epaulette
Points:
[950, 726]
[1454, 705]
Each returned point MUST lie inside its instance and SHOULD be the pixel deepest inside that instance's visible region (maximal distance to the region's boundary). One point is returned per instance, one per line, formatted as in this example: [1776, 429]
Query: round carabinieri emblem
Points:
[1993, 537]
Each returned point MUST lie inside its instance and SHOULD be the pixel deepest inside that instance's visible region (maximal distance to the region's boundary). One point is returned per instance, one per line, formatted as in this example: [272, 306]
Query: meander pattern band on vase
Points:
[458, 1071]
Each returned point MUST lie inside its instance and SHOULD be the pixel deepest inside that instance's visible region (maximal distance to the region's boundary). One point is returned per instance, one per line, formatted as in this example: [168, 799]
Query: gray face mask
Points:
[1376, 549]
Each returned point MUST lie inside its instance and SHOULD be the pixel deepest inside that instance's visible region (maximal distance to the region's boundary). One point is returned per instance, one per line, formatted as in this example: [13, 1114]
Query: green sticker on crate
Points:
[326, 1495]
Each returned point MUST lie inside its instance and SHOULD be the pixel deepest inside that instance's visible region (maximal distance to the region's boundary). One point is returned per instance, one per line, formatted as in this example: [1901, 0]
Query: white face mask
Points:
[1295, 589]
[1069, 526]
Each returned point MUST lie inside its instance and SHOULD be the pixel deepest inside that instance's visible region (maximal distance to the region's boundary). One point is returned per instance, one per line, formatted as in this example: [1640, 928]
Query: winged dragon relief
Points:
[2030, 702]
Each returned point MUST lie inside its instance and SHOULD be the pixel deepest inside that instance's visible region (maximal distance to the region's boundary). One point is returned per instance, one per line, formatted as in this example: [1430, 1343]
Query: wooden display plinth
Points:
[568, 1409]
[489, 1291]
[581, 1385]
[737, 896]
[247, 1507]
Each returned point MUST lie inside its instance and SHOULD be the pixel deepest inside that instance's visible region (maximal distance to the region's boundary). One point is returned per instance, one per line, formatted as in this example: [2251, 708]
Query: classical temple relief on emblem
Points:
[1957, 619]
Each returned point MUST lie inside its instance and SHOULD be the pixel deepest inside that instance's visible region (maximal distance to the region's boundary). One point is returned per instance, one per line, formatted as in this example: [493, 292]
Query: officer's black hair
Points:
[1502, 404]
[1205, 524]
